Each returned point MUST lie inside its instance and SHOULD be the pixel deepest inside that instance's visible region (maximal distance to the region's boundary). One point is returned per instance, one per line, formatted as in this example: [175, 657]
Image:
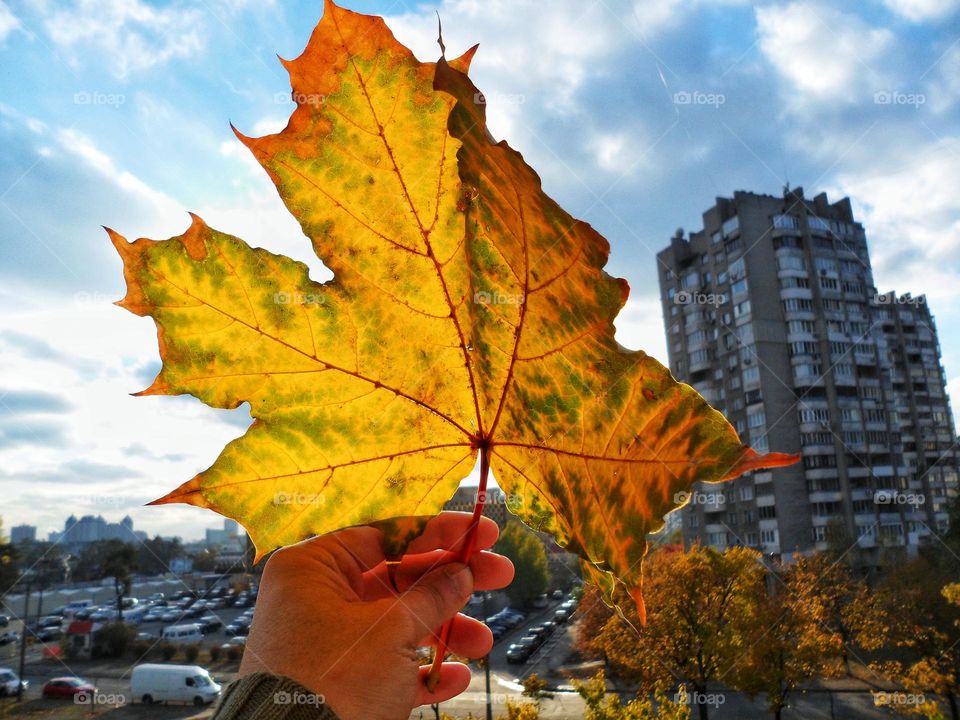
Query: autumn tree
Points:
[601, 705]
[523, 547]
[797, 632]
[700, 605]
[921, 621]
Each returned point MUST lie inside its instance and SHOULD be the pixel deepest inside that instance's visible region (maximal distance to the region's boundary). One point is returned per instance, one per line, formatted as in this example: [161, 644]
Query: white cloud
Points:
[126, 35]
[616, 152]
[823, 53]
[922, 10]
[8, 21]
[640, 326]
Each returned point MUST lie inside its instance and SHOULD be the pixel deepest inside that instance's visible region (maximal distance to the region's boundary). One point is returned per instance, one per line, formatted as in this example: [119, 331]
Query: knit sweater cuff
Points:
[262, 696]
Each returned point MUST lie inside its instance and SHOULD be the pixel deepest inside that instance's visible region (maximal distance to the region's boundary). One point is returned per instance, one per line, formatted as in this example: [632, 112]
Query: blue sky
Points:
[115, 112]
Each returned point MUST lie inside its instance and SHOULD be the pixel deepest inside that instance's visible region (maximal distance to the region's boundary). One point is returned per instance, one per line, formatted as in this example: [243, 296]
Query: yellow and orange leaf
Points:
[468, 314]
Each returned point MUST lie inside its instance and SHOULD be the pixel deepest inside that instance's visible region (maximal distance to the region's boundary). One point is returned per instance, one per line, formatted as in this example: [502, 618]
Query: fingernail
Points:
[461, 577]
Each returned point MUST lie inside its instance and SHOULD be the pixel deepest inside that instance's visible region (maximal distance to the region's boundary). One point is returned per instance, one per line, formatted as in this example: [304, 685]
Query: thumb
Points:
[438, 596]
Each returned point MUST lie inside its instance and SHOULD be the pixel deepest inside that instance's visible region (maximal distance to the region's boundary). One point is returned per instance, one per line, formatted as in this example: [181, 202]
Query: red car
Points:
[68, 687]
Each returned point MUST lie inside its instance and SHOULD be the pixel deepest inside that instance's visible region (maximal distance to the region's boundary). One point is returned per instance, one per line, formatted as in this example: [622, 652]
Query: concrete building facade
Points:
[772, 314]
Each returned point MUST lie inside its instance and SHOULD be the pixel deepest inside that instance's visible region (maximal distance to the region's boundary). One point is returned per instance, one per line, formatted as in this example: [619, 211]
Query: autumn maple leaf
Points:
[468, 314]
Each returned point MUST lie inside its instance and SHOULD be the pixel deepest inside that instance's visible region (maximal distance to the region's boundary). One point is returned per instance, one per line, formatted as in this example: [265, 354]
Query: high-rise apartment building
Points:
[772, 315]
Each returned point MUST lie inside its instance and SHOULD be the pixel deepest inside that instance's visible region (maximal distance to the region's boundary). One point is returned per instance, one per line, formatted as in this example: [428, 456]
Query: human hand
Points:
[328, 616]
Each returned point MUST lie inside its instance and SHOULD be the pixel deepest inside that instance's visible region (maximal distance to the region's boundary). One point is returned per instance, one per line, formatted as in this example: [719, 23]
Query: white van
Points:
[152, 683]
[183, 634]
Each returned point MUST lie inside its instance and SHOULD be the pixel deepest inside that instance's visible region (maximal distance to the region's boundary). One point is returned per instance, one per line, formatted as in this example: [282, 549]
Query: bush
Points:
[112, 641]
[141, 649]
[215, 653]
[191, 653]
[234, 653]
[168, 651]
[68, 648]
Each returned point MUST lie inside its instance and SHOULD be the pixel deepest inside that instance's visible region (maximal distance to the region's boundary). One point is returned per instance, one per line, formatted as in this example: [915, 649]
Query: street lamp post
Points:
[23, 633]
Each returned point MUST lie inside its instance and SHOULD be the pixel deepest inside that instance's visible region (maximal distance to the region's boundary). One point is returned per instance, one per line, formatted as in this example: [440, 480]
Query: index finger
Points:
[449, 530]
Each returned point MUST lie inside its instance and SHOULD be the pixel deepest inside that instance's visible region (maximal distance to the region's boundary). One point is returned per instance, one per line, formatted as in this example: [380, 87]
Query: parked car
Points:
[209, 624]
[237, 641]
[4, 620]
[561, 615]
[539, 632]
[549, 626]
[152, 683]
[518, 653]
[540, 601]
[48, 634]
[146, 637]
[69, 687]
[9, 637]
[10, 683]
[240, 626]
[171, 615]
[557, 594]
[532, 640]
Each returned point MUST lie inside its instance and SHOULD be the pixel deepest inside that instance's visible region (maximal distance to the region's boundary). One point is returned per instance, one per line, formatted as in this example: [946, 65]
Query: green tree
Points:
[154, 555]
[8, 563]
[529, 557]
[119, 560]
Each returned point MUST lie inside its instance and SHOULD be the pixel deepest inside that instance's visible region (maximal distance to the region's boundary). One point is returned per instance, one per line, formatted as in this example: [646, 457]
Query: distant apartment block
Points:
[772, 315]
[23, 534]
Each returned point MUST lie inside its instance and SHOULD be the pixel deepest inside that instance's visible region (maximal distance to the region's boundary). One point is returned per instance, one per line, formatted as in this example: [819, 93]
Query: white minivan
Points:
[187, 634]
[152, 683]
